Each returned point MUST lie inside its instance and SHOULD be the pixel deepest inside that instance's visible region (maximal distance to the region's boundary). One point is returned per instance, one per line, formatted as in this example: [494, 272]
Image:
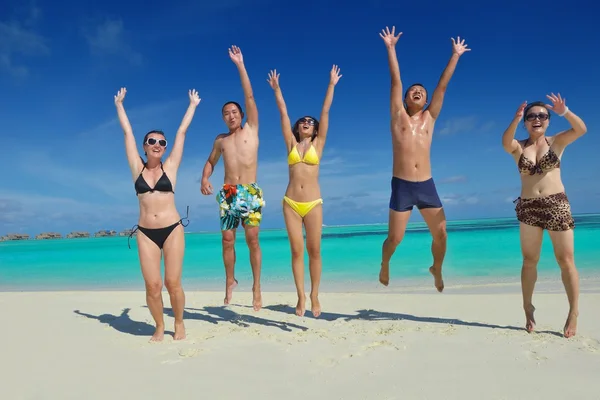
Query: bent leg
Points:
[255, 262]
[564, 250]
[396, 228]
[150, 255]
[228, 245]
[435, 218]
[313, 224]
[531, 246]
[293, 224]
[173, 250]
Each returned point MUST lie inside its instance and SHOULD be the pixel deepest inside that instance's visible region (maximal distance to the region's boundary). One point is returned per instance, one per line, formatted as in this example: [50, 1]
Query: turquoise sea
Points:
[479, 251]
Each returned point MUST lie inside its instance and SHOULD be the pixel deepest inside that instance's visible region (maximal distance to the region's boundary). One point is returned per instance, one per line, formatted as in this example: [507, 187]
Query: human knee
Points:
[394, 239]
[252, 241]
[313, 250]
[297, 251]
[530, 260]
[566, 260]
[228, 240]
[440, 234]
[154, 288]
[173, 284]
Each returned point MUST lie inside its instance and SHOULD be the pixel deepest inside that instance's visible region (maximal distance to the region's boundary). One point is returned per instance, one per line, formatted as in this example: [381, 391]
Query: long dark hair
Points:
[297, 133]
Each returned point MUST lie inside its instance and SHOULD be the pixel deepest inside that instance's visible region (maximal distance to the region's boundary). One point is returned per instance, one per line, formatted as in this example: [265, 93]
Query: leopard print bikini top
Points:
[546, 163]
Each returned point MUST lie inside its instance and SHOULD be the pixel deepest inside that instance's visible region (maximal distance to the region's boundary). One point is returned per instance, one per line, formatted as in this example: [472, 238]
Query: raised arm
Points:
[578, 127]
[209, 167]
[177, 152]
[509, 143]
[133, 156]
[334, 77]
[286, 126]
[251, 110]
[458, 48]
[396, 99]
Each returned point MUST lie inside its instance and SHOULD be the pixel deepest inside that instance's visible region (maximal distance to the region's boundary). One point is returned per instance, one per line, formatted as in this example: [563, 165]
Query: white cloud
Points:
[19, 40]
[467, 124]
[108, 38]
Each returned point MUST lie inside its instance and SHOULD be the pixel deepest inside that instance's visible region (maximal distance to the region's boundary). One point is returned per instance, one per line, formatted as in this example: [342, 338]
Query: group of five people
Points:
[542, 205]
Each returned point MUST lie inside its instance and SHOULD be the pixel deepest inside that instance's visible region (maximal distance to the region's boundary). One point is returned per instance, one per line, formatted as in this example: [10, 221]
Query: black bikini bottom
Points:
[159, 235]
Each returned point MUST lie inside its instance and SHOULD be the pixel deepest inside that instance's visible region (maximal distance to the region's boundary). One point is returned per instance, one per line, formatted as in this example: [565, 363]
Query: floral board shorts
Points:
[240, 203]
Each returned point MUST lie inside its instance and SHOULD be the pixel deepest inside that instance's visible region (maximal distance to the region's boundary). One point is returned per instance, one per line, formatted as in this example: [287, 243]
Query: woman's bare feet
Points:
[571, 324]
[229, 291]
[315, 305]
[301, 306]
[159, 334]
[530, 320]
[384, 274]
[438, 281]
[256, 298]
[179, 331]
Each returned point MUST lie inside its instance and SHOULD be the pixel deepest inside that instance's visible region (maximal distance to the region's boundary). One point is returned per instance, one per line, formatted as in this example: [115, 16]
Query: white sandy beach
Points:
[364, 346]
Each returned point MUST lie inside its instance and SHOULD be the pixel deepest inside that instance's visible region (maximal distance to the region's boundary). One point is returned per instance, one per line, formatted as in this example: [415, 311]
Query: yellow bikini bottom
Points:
[302, 208]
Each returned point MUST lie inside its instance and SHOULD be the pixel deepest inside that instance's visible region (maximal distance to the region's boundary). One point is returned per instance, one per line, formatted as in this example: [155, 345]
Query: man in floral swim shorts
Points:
[240, 198]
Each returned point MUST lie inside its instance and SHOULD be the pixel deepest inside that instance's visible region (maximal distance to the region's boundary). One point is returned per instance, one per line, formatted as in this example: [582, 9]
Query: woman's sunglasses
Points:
[310, 121]
[152, 142]
[540, 116]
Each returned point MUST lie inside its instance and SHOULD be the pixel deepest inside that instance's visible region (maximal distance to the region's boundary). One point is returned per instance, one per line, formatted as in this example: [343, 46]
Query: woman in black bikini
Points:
[543, 203]
[160, 226]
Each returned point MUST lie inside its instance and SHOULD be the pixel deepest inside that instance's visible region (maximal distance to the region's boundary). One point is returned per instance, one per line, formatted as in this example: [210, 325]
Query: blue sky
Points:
[61, 64]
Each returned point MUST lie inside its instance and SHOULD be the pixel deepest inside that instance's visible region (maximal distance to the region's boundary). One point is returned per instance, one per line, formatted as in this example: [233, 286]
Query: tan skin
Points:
[304, 186]
[157, 210]
[239, 148]
[412, 131]
[543, 185]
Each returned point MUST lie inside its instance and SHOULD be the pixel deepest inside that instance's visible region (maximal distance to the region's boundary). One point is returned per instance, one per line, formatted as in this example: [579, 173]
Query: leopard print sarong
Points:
[551, 212]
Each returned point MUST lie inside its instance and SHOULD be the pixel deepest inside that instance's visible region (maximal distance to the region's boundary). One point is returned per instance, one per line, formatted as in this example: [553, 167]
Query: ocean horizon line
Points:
[410, 225]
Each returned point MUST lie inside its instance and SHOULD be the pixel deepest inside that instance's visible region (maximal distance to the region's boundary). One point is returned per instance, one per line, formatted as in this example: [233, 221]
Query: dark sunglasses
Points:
[540, 116]
[310, 121]
[152, 142]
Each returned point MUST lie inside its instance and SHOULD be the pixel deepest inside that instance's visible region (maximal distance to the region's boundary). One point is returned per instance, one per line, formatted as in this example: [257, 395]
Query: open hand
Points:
[120, 96]
[558, 103]
[520, 110]
[335, 75]
[388, 37]
[459, 46]
[194, 98]
[206, 188]
[236, 55]
[273, 79]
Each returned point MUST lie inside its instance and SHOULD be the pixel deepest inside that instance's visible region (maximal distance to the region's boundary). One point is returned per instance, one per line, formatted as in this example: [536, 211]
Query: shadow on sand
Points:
[214, 315]
[372, 315]
[123, 323]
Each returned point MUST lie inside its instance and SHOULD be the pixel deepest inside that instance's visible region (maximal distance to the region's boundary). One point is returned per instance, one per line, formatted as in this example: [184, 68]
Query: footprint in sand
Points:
[189, 352]
[535, 356]
[591, 345]
[382, 343]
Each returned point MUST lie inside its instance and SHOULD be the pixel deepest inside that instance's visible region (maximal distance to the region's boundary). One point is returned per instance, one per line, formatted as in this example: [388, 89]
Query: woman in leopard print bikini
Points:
[543, 203]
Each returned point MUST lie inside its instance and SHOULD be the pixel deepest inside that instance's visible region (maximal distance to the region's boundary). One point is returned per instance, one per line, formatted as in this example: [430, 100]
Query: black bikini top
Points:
[162, 185]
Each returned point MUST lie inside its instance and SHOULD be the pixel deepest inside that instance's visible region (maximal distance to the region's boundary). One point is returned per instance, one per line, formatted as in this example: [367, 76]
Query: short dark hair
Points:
[235, 104]
[297, 134]
[413, 85]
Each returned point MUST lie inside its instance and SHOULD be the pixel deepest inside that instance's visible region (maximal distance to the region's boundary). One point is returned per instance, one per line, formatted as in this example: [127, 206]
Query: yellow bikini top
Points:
[310, 156]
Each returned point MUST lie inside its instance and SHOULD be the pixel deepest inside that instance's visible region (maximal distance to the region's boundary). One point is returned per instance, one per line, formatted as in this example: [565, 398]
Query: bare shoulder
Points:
[249, 128]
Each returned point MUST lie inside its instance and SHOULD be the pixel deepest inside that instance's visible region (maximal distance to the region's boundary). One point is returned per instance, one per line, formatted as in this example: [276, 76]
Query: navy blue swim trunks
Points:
[407, 194]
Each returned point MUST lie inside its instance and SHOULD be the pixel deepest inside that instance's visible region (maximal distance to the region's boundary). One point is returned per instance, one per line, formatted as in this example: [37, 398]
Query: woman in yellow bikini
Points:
[302, 203]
